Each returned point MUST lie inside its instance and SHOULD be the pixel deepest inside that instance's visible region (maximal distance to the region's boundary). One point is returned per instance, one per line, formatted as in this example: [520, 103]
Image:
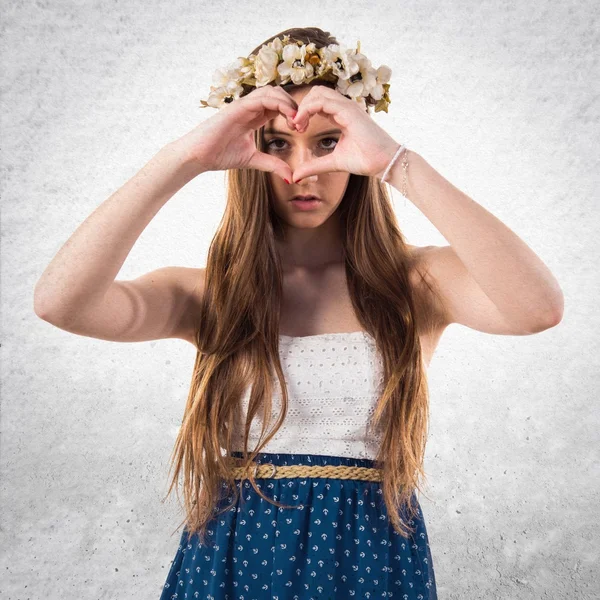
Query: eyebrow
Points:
[276, 132]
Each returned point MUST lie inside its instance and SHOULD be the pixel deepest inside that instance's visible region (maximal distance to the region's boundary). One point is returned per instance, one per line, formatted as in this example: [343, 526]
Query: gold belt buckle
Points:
[258, 465]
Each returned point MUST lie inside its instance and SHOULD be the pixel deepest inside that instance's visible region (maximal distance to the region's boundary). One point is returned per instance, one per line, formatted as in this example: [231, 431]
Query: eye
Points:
[280, 149]
[269, 144]
[331, 140]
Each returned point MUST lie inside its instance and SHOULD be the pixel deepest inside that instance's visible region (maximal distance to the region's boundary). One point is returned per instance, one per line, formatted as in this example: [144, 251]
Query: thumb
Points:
[271, 164]
[325, 164]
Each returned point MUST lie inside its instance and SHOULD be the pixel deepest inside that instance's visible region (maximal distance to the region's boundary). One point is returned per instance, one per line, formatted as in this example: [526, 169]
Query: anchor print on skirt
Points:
[337, 541]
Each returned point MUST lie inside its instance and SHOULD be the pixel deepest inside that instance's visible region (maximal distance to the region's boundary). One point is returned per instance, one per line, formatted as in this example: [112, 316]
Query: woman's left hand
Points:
[364, 148]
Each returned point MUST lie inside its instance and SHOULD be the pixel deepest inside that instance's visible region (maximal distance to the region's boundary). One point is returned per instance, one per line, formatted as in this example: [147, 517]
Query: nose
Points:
[300, 157]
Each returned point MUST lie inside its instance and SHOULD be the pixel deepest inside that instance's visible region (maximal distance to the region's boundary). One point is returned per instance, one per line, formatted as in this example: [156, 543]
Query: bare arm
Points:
[157, 305]
[78, 291]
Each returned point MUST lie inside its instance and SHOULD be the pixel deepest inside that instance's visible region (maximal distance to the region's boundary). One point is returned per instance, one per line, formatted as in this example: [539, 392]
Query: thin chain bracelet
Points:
[404, 167]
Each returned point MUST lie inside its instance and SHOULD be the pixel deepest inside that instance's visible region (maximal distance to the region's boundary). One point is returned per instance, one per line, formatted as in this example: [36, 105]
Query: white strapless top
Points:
[334, 381]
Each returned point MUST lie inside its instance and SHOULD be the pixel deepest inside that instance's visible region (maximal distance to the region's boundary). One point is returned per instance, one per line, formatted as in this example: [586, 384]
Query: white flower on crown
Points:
[358, 79]
[344, 65]
[226, 84]
[295, 65]
[265, 65]
[283, 62]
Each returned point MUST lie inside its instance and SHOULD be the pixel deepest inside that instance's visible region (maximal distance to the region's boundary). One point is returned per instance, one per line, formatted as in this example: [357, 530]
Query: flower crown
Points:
[281, 62]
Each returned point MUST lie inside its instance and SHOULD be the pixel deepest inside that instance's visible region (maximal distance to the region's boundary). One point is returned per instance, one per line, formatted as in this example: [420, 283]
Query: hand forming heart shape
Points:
[364, 148]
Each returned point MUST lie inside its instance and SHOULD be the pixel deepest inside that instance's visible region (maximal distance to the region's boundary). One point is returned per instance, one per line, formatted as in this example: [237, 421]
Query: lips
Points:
[307, 197]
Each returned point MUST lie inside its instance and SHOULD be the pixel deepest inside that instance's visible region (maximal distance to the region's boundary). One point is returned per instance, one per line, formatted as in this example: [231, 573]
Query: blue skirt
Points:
[336, 543]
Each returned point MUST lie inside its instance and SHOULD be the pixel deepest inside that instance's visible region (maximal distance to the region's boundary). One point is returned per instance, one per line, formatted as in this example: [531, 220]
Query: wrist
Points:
[186, 163]
[388, 156]
[398, 173]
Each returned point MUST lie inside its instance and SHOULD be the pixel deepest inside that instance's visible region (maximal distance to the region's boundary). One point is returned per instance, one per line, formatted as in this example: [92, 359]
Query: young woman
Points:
[304, 432]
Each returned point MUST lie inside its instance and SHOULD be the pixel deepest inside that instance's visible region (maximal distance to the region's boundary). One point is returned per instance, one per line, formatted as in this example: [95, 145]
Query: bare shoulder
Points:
[192, 280]
[427, 300]
[191, 284]
[420, 278]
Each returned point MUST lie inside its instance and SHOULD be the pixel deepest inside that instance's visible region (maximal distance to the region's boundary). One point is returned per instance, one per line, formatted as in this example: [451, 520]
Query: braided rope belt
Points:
[269, 470]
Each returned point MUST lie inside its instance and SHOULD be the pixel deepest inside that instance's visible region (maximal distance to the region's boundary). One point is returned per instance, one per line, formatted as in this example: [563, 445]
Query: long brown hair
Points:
[237, 336]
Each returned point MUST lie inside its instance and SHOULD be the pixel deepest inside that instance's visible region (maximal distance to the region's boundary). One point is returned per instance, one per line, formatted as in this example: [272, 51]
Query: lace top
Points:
[334, 381]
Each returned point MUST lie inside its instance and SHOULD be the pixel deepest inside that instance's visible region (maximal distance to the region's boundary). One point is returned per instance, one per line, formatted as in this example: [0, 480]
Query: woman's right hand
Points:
[226, 140]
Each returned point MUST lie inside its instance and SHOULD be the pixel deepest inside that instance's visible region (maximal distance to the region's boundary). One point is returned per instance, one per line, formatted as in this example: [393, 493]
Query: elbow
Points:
[552, 315]
[42, 308]
[555, 314]
[552, 319]
[38, 305]
[555, 318]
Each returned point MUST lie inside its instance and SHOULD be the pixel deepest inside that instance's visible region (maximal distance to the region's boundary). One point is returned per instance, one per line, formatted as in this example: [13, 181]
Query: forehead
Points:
[297, 92]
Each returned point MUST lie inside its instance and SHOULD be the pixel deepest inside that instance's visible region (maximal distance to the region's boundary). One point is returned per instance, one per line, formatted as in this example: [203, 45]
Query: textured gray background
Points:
[500, 97]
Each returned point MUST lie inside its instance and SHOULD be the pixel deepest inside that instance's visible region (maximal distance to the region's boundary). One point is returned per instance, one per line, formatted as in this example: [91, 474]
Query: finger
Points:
[279, 90]
[267, 106]
[293, 104]
[278, 105]
[336, 110]
[288, 99]
[287, 105]
[270, 164]
[325, 164]
[269, 116]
